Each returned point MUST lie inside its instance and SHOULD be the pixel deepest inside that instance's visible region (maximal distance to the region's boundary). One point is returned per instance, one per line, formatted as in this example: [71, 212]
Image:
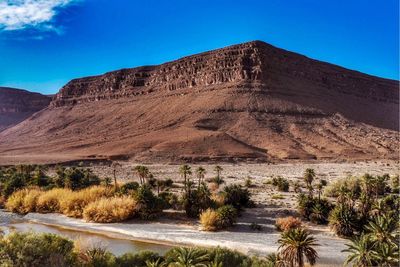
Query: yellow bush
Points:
[30, 200]
[107, 210]
[73, 204]
[287, 223]
[49, 201]
[15, 202]
[209, 220]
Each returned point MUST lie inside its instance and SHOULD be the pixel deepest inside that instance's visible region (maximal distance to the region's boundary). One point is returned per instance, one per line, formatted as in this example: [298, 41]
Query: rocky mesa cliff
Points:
[250, 101]
[16, 105]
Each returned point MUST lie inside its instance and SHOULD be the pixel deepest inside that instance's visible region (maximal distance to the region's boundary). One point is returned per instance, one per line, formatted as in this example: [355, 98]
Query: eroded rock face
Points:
[252, 66]
[225, 67]
[245, 102]
[17, 105]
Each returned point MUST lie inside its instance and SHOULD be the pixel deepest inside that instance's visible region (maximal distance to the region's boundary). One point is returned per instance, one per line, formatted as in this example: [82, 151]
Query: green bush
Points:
[136, 259]
[36, 250]
[197, 200]
[281, 183]
[148, 205]
[229, 257]
[343, 219]
[237, 196]
[226, 216]
[128, 188]
[350, 184]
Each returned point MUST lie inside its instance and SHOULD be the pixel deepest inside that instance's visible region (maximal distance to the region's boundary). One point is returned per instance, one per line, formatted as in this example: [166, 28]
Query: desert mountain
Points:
[250, 101]
[16, 105]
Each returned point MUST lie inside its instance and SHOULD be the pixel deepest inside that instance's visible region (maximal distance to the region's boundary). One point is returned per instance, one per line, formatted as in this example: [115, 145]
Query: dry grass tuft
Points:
[287, 223]
[23, 201]
[30, 200]
[107, 210]
[49, 201]
[15, 202]
[209, 220]
[73, 204]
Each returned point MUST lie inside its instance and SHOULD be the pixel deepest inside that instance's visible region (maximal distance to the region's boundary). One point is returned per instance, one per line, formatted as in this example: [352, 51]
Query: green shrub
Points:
[281, 183]
[129, 188]
[320, 211]
[96, 257]
[197, 200]
[136, 259]
[36, 250]
[226, 216]
[343, 220]
[237, 196]
[350, 184]
[229, 257]
[148, 205]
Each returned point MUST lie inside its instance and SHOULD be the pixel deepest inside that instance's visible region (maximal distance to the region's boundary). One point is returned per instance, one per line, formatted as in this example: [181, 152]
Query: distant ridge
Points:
[17, 104]
[250, 101]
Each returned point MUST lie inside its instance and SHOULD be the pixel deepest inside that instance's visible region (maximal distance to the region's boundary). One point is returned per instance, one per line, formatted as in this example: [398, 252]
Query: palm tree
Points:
[387, 255]
[215, 263]
[143, 172]
[218, 169]
[185, 170]
[274, 260]
[189, 257]
[115, 166]
[361, 252]
[382, 230]
[309, 176]
[296, 244]
[156, 263]
[200, 174]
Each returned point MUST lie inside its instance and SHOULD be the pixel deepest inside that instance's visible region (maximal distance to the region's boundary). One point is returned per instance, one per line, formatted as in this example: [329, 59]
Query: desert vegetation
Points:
[77, 192]
[36, 250]
[363, 209]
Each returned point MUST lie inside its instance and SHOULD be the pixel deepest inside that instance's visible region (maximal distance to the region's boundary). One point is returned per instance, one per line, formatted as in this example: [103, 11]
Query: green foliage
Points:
[315, 209]
[226, 216]
[348, 185]
[128, 188]
[97, 257]
[296, 246]
[149, 205]
[197, 200]
[237, 196]
[344, 220]
[188, 257]
[76, 179]
[30, 249]
[139, 259]
[281, 183]
[229, 258]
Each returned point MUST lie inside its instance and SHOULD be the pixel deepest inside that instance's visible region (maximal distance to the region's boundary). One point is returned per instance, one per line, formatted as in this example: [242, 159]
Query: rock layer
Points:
[250, 101]
[16, 105]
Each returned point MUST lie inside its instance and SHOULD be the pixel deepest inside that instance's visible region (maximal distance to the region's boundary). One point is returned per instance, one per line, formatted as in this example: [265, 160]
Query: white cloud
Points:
[21, 14]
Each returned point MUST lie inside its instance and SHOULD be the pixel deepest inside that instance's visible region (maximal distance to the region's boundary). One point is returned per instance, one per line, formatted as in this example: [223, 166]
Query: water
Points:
[9, 222]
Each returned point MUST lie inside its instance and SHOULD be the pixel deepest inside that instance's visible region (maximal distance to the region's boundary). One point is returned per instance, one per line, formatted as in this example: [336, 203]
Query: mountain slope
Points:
[16, 105]
[245, 102]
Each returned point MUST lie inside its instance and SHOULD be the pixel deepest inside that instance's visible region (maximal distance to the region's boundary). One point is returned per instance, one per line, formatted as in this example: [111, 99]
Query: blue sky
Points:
[45, 43]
